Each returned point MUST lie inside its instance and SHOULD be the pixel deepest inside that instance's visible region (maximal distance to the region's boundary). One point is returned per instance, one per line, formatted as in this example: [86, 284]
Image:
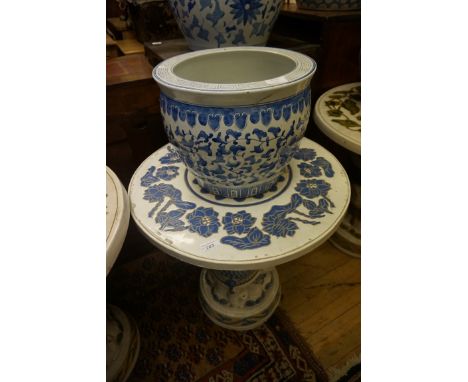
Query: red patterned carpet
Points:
[179, 343]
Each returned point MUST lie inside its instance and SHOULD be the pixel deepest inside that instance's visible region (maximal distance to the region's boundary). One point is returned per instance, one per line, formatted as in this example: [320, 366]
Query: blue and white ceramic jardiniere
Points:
[236, 115]
[220, 23]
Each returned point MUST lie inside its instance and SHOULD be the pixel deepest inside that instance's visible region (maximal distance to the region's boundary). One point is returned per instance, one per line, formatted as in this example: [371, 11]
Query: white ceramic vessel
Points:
[219, 23]
[236, 115]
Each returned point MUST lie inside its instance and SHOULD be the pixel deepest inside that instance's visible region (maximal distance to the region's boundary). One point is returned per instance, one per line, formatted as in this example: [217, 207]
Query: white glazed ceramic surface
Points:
[338, 114]
[117, 217]
[244, 306]
[235, 115]
[218, 23]
[302, 211]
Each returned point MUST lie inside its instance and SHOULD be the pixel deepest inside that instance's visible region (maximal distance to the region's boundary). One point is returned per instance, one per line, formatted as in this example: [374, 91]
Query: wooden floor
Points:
[322, 297]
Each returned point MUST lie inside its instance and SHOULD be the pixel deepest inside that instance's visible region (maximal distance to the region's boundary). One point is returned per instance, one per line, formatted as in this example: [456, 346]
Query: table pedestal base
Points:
[123, 344]
[239, 300]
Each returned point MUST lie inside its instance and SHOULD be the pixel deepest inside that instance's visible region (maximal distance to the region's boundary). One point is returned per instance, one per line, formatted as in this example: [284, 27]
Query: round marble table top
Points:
[338, 114]
[301, 211]
[117, 217]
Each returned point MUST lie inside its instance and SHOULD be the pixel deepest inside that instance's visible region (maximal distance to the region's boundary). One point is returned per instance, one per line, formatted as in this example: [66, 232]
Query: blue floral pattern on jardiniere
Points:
[238, 152]
[219, 23]
[245, 10]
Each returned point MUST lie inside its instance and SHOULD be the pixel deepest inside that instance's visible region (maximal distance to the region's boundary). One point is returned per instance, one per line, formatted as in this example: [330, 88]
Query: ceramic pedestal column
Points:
[239, 300]
[239, 241]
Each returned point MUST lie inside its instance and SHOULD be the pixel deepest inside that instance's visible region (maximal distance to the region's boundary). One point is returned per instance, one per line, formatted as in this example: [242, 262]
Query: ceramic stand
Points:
[338, 115]
[122, 336]
[239, 300]
[238, 242]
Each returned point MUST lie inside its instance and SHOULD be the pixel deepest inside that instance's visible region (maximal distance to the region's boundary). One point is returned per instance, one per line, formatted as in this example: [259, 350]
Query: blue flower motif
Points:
[148, 179]
[204, 221]
[239, 222]
[167, 172]
[170, 220]
[171, 157]
[254, 239]
[283, 210]
[312, 188]
[317, 210]
[277, 225]
[325, 165]
[158, 192]
[275, 222]
[162, 173]
[153, 194]
[245, 10]
[309, 170]
[305, 154]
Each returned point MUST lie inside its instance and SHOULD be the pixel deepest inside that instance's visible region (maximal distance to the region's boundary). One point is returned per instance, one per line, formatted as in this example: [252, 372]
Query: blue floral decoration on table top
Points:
[325, 165]
[312, 188]
[305, 154]
[158, 192]
[238, 222]
[204, 221]
[275, 221]
[309, 170]
[318, 210]
[170, 221]
[278, 226]
[254, 239]
[307, 206]
[162, 173]
[171, 157]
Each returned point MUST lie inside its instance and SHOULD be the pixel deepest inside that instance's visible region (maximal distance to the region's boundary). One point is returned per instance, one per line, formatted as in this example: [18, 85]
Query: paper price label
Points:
[209, 246]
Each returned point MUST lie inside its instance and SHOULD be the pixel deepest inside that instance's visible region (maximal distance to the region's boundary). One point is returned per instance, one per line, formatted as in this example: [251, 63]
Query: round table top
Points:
[301, 211]
[117, 217]
[338, 114]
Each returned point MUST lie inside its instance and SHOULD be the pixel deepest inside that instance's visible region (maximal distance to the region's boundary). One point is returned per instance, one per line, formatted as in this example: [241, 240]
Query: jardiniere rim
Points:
[304, 68]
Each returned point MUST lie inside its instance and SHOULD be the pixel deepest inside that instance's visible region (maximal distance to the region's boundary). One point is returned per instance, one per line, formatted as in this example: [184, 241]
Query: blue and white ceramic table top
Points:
[301, 211]
[338, 114]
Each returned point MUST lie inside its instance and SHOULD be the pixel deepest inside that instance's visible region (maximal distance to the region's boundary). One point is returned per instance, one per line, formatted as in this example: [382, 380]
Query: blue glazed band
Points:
[235, 117]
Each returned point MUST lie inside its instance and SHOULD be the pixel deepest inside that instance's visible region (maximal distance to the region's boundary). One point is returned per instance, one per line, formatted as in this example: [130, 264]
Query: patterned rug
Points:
[179, 343]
